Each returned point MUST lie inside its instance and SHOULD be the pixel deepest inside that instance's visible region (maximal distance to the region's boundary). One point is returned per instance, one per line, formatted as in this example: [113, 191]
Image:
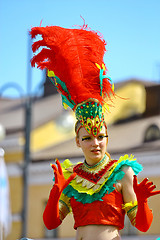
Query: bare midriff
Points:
[97, 232]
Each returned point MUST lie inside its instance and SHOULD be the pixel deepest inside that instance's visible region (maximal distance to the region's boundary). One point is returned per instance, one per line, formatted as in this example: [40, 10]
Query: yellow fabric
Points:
[64, 205]
[128, 206]
[131, 211]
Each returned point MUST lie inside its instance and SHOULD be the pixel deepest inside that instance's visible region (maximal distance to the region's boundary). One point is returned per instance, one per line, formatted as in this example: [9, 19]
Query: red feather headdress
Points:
[74, 58]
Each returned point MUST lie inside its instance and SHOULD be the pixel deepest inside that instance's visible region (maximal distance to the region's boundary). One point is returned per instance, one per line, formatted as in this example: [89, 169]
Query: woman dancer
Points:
[100, 190]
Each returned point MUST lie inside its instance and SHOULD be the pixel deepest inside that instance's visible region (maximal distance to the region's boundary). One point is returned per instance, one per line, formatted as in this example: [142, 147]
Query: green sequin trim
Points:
[89, 109]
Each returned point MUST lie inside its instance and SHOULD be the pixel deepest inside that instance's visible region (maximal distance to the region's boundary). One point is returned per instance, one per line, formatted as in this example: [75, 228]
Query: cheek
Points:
[85, 145]
[104, 143]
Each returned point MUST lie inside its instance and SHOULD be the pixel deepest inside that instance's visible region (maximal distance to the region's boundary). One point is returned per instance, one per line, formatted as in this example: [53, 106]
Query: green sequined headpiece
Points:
[90, 115]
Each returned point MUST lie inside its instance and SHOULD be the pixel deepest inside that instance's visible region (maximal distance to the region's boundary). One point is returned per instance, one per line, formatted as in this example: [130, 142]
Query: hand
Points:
[60, 181]
[144, 189]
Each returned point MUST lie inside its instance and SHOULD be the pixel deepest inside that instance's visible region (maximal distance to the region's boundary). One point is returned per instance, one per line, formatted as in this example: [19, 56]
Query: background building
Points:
[133, 127]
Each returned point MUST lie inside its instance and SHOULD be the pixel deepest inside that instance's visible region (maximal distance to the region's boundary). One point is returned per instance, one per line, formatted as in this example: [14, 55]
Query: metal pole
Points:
[28, 112]
[26, 166]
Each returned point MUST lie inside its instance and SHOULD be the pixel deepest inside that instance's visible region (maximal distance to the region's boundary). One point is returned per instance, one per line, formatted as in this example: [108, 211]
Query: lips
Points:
[95, 150]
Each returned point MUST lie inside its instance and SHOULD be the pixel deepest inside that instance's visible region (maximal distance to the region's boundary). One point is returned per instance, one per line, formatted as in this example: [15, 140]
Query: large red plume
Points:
[72, 54]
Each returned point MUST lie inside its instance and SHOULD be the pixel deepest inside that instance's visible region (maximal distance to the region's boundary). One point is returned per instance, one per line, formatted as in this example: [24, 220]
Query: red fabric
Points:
[51, 217]
[51, 213]
[144, 215]
[106, 212]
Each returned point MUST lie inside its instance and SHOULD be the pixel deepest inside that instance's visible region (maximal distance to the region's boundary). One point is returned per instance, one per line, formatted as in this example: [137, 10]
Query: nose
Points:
[95, 142]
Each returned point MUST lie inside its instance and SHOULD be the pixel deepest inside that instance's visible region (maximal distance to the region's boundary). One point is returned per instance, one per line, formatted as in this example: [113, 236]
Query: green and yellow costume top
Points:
[94, 187]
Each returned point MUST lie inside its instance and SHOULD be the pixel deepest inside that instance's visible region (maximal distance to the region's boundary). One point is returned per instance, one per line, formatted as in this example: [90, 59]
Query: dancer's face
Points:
[94, 148]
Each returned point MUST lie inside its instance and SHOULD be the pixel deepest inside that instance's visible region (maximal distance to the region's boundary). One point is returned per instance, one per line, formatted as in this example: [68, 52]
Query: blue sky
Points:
[130, 27]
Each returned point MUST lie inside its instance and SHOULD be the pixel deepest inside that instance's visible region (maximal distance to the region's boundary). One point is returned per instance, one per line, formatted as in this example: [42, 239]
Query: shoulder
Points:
[128, 176]
[128, 164]
[129, 167]
[127, 170]
[125, 167]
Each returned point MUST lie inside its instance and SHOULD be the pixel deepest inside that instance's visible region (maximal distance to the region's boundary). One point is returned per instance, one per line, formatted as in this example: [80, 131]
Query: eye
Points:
[102, 136]
[86, 138]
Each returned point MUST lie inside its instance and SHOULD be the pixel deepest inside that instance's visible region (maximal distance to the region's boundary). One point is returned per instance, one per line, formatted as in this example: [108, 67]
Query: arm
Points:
[127, 185]
[144, 215]
[51, 215]
[129, 196]
[138, 212]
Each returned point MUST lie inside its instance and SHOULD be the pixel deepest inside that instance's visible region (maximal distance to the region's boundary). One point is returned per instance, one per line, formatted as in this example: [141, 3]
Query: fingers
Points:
[135, 178]
[58, 173]
[155, 192]
[135, 181]
[150, 189]
[145, 188]
[59, 166]
[54, 167]
[70, 179]
[55, 172]
[55, 177]
[144, 182]
[149, 184]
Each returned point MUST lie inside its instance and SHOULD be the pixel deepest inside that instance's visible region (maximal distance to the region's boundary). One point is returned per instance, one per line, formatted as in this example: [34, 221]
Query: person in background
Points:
[99, 190]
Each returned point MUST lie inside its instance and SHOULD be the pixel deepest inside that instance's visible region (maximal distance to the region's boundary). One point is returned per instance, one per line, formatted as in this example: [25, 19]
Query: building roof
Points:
[50, 138]
[12, 111]
[136, 80]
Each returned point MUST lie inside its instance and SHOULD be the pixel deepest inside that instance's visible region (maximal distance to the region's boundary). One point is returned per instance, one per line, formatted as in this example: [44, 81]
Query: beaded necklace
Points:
[94, 173]
[97, 164]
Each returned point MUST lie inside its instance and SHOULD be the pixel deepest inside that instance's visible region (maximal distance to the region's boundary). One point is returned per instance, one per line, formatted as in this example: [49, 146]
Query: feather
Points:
[71, 54]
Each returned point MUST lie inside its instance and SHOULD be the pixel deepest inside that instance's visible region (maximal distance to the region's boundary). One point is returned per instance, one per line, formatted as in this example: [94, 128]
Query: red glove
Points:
[144, 215]
[51, 213]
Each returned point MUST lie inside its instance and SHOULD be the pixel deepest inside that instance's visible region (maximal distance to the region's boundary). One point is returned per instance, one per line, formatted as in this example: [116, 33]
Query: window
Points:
[152, 133]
